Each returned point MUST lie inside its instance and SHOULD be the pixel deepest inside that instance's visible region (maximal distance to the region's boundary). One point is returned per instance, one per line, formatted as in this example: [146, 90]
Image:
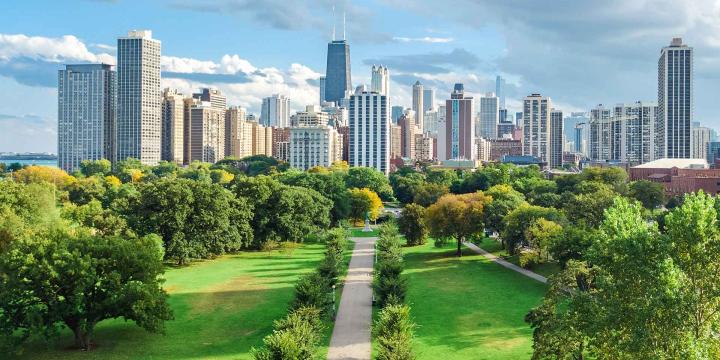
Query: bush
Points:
[295, 337]
[394, 332]
[313, 290]
[441, 241]
[332, 265]
[390, 289]
[412, 224]
[529, 258]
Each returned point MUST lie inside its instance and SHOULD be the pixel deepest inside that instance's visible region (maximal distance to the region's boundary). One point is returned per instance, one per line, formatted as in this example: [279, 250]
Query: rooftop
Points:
[674, 163]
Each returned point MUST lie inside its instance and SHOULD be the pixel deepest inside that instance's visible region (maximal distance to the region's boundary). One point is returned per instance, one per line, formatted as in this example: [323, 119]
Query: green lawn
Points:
[357, 232]
[494, 247]
[468, 308]
[223, 307]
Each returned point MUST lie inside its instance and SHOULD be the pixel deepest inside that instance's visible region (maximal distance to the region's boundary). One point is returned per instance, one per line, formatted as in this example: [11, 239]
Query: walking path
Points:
[351, 335]
[505, 263]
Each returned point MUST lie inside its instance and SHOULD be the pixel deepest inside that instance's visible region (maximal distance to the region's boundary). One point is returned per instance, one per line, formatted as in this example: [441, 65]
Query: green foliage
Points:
[364, 202]
[405, 184]
[365, 177]
[333, 262]
[129, 170]
[572, 244]
[388, 285]
[614, 177]
[429, 193]
[457, 216]
[295, 337]
[650, 194]
[519, 220]
[587, 205]
[394, 333]
[78, 280]
[313, 290]
[482, 179]
[441, 177]
[282, 212]
[504, 200]
[412, 224]
[93, 216]
[95, 167]
[330, 184]
[195, 219]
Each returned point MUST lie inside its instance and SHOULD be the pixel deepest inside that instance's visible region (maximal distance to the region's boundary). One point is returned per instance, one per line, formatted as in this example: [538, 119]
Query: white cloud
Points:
[187, 65]
[60, 49]
[426, 39]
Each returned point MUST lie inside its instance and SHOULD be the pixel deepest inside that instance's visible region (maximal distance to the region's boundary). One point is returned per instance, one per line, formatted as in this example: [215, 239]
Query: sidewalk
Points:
[506, 264]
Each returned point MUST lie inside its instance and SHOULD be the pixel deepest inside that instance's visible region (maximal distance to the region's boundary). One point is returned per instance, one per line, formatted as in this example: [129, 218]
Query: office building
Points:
[322, 90]
[207, 133]
[489, 117]
[500, 148]
[482, 147]
[458, 134]
[500, 91]
[536, 127]
[675, 101]
[417, 105]
[275, 111]
[397, 112]
[571, 126]
[700, 139]
[86, 114]
[408, 130]
[556, 139]
[369, 131]
[173, 126]
[337, 72]
[395, 141]
[713, 153]
[216, 99]
[139, 107]
[431, 123]
[505, 130]
[428, 100]
[424, 148]
[380, 81]
[238, 133]
[261, 139]
[519, 119]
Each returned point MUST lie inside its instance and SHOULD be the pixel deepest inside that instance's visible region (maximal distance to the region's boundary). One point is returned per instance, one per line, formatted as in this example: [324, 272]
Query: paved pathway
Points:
[506, 264]
[351, 335]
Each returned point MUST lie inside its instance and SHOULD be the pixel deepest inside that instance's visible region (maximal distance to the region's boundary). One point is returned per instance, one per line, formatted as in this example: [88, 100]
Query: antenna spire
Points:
[333, 13]
[344, 25]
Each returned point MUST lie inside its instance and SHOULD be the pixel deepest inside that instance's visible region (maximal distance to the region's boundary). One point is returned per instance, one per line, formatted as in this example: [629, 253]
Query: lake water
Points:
[32, 162]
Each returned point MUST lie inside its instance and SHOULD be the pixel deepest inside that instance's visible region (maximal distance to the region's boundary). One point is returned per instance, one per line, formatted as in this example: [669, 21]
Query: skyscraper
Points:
[213, 96]
[322, 90]
[700, 140]
[536, 127]
[207, 133]
[380, 82]
[459, 129]
[173, 126]
[489, 116]
[500, 90]
[397, 112]
[675, 100]
[275, 111]
[369, 131]
[417, 105]
[139, 116]
[624, 133]
[428, 99]
[238, 133]
[337, 72]
[556, 139]
[86, 114]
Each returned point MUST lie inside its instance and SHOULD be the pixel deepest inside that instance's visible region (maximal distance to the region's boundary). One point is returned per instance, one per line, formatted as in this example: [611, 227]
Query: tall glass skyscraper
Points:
[86, 114]
[139, 98]
[500, 90]
[337, 72]
[675, 101]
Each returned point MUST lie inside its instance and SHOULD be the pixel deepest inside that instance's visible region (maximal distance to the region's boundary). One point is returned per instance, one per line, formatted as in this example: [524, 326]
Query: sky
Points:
[579, 52]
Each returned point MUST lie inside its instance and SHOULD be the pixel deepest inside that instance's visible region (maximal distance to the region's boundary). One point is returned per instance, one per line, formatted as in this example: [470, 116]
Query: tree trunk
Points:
[82, 336]
[459, 243]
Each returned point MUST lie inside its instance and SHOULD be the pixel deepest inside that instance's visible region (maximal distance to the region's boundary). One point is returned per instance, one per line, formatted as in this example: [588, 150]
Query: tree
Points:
[588, 206]
[394, 332]
[441, 177]
[165, 168]
[330, 184]
[428, 193]
[364, 201]
[79, 280]
[572, 244]
[542, 234]
[519, 220]
[457, 216]
[405, 184]
[130, 170]
[282, 212]
[101, 167]
[365, 177]
[412, 224]
[614, 177]
[87, 189]
[505, 200]
[650, 194]
[195, 219]
[34, 174]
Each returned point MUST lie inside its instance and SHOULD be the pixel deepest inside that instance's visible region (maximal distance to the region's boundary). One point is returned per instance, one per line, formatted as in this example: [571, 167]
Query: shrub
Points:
[394, 332]
[529, 258]
[313, 290]
[389, 288]
[295, 337]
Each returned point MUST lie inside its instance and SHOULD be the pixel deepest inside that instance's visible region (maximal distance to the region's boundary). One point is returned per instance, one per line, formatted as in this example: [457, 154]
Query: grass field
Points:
[468, 308]
[222, 307]
[357, 232]
[494, 247]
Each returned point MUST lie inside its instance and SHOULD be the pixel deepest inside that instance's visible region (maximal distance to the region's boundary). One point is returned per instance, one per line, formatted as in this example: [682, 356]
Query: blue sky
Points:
[579, 52]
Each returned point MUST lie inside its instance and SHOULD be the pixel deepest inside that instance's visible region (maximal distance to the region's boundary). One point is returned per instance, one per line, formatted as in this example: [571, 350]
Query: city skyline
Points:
[267, 62]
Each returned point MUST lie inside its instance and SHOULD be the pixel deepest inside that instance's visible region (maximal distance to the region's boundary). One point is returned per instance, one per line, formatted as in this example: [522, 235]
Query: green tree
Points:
[572, 244]
[362, 202]
[504, 200]
[165, 169]
[519, 220]
[441, 177]
[78, 281]
[365, 177]
[457, 216]
[100, 167]
[405, 184]
[394, 333]
[650, 194]
[412, 224]
[428, 193]
[588, 206]
[130, 170]
[330, 184]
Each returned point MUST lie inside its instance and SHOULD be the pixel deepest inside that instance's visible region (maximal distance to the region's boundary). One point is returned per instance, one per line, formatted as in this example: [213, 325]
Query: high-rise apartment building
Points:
[337, 72]
[675, 101]
[395, 141]
[700, 139]
[536, 127]
[489, 117]
[207, 133]
[139, 115]
[458, 134]
[556, 139]
[173, 126]
[238, 133]
[428, 100]
[380, 82]
[500, 91]
[624, 133]
[275, 111]
[369, 131]
[213, 96]
[424, 150]
[261, 139]
[86, 114]
[570, 127]
[313, 142]
[417, 105]
[408, 130]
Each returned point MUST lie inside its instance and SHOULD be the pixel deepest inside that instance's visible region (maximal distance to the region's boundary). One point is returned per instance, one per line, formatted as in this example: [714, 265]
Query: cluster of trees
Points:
[394, 328]
[297, 336]
[641, 290]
